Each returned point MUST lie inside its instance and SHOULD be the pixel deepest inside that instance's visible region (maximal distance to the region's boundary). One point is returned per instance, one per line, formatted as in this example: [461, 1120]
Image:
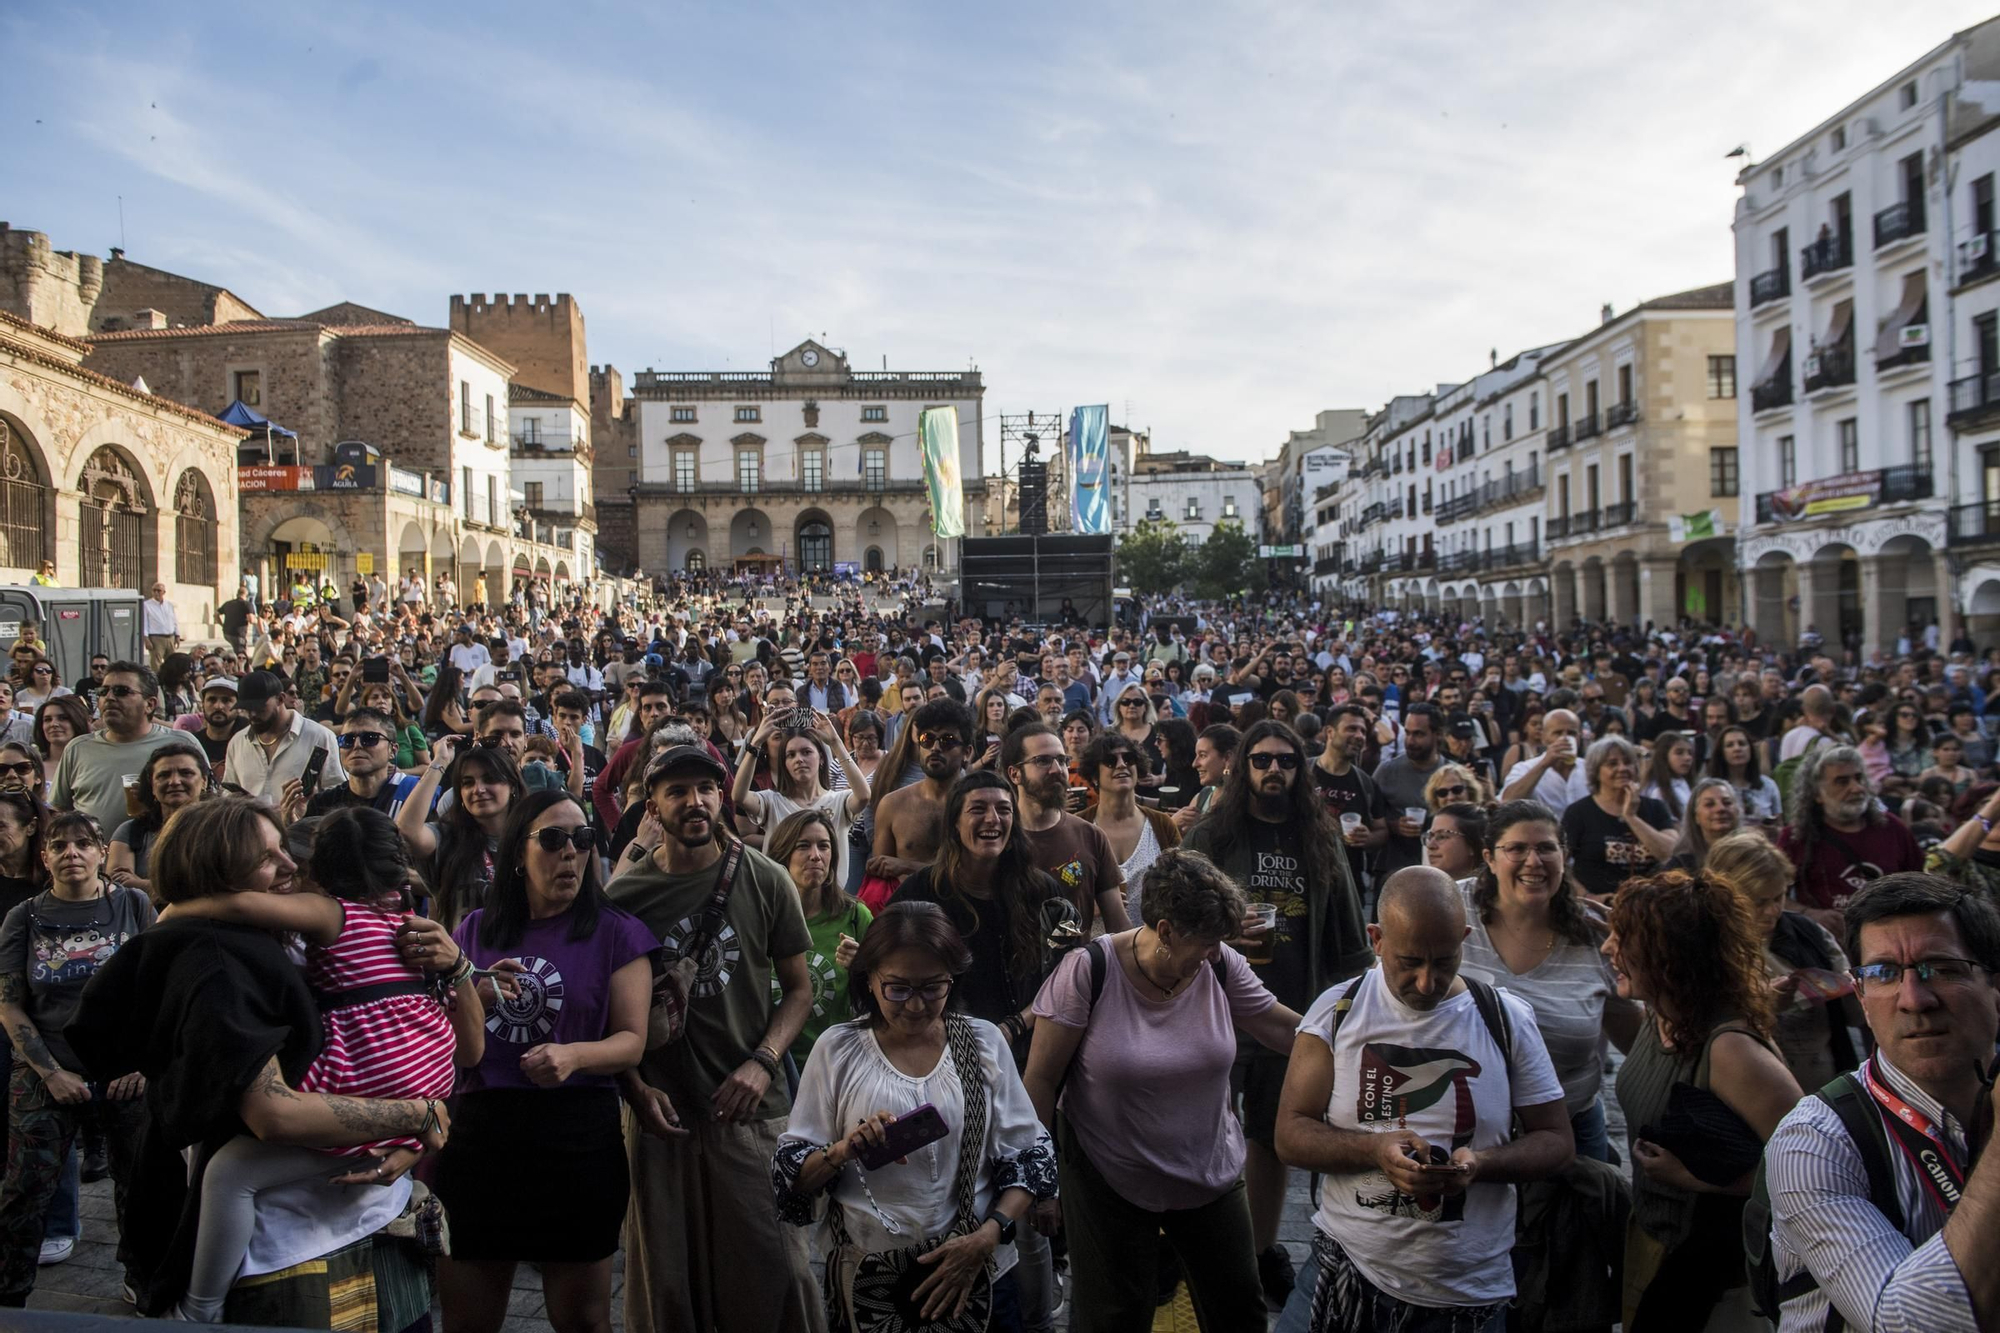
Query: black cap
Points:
[257, 687]
[682, 757]
[1464, 729]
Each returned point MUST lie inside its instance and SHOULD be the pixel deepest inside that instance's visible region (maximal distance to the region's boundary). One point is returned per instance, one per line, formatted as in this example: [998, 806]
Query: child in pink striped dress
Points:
[387, 1033]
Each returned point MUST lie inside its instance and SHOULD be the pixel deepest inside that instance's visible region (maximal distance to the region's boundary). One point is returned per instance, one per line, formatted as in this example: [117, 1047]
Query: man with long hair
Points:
[1269, 831]
[1838, 836]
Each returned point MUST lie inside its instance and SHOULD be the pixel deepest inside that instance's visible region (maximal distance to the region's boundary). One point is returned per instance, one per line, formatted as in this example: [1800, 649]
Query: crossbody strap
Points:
[709, 924]
[958, 1035]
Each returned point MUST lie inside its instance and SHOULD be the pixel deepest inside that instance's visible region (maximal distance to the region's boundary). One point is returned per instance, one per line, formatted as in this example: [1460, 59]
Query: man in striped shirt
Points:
[1926, 951]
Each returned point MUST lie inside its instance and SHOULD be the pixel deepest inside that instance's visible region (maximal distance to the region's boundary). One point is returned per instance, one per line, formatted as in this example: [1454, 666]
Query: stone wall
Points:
[614, 434]
[543, 339]
[56, 289]
[130, 287]
[296, 369]
[395, 392]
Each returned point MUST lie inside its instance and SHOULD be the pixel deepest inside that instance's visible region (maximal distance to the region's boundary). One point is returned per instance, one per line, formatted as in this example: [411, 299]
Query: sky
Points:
[1218, 218]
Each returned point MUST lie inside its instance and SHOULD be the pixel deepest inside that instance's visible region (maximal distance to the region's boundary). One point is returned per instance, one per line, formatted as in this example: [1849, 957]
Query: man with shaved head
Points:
[1814, 727]
[1402, 1088]
[1553, 777]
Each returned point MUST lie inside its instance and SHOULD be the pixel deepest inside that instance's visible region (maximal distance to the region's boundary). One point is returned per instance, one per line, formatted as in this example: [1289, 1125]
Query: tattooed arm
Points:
[27, 1041]
[276, 1113]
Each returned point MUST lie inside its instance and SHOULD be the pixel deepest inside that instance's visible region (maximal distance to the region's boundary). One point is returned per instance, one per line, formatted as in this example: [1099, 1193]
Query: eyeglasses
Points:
[931, 740]
[1045, 761]
[121, 691]
[1438, 835]
[1518, 851]
[367, 740]
[1263, 760]
[553, 839]
[896, 992]
[493, 740]
[1459, 790]
[1881, 977]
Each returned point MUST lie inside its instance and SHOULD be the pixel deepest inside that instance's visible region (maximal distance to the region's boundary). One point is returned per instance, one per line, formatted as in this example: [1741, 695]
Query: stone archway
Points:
[812, 541]
[1773, 597]
[875, 529]
[687, 540]
[1906, 591]
[1830, 594]
[117, 534]
[749, 533]
[412, 550]
[27, 504]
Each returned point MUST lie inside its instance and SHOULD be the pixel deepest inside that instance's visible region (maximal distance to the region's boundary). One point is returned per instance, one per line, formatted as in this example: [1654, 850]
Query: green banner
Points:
[939, 429]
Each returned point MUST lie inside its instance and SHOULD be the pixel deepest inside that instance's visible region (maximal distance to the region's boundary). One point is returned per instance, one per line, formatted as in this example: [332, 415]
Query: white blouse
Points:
[846, 1080]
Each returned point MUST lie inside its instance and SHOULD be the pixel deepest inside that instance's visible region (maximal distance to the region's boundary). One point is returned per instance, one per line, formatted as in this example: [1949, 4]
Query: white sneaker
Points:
[55, 1251]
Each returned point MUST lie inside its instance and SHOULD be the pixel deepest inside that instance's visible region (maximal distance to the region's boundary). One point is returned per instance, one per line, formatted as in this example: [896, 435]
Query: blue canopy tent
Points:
[236, 414]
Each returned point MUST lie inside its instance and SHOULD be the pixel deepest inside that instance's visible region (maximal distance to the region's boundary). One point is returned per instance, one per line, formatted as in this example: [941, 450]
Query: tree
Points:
[1227, 563]
[1154, 559]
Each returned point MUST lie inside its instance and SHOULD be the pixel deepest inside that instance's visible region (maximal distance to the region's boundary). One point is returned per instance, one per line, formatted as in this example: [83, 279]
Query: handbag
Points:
[885, 1283]
[674, 978]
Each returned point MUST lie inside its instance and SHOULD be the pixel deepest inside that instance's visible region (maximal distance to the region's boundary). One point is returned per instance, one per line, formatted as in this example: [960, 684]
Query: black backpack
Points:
[1864, 1126]
[1484, 998]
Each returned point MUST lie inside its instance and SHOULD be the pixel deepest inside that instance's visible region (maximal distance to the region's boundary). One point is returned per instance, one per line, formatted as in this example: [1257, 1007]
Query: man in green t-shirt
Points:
[709, 1107]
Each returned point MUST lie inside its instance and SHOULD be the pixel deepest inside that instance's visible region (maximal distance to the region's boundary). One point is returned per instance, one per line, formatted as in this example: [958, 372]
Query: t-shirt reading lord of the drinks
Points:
[1441, 1073]
[1266, 862]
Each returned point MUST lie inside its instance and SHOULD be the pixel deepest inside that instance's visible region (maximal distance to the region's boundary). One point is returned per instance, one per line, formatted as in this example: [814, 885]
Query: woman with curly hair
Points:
[1454, 784]
[1533, 932]
[1688, 947]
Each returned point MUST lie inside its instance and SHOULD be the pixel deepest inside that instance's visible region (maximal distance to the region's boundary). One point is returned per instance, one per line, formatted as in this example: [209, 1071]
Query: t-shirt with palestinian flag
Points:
[1440, 1073]
[829, 979]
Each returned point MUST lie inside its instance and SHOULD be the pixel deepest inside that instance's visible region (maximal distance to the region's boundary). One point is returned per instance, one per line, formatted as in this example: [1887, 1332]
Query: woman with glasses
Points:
[966, 1192]
[1533, 933]
[1138, 834]
[1453, 784]
[171, 780]
[1455, 842]
[1687, 947]
[864, 741]
[51, 945]
[1134, 718]
[1135, 1037]
[808, 846]
[535, 1171]
[1713, 813]
[463, 844]
[1615, 833]
[1817, 1012]
[44, 684]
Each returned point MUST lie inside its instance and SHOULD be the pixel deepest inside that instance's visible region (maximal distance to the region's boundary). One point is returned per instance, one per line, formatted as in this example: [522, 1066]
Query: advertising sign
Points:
[1829, 495]
[250, 479]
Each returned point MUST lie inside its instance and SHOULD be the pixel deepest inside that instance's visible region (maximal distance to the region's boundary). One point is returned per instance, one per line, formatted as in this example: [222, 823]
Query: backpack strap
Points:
[1493, 1013]
[1863, 1122]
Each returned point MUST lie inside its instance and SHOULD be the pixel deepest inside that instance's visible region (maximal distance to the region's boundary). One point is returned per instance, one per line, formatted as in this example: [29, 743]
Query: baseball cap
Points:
[683, 757]
[259, 686]
[227, 683]
[1464, 729]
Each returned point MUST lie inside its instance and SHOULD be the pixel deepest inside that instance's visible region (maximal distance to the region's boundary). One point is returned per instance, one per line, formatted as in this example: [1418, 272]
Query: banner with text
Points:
[1090, 469]
[939, 429]
[1829, 495]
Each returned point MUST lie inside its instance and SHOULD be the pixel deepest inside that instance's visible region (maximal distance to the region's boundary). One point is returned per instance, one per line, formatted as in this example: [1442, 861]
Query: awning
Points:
[250, 419]
[1909, 310]
[1836, 332]
[1781, 351]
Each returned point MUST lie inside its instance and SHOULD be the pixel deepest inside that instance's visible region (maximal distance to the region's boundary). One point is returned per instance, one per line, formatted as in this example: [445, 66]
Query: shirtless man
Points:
[909, 822]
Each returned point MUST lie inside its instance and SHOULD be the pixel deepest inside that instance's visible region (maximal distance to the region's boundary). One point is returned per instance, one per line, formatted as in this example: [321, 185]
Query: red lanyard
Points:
[1928, 1152]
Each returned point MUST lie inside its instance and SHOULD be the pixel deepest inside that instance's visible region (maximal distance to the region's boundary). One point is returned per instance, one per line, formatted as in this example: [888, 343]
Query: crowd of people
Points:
[848, 964]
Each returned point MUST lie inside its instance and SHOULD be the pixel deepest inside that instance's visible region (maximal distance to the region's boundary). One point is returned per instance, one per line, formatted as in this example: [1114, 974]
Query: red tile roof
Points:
[253, 326]
[29, 353]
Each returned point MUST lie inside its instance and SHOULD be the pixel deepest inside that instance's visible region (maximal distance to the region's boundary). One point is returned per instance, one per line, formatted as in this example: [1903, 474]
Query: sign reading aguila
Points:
[1828, 495]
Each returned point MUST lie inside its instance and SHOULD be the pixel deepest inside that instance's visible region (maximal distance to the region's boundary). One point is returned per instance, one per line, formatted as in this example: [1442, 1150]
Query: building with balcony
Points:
[1861, 523]
[809, 465]
[1191, 491]
[1645, 404]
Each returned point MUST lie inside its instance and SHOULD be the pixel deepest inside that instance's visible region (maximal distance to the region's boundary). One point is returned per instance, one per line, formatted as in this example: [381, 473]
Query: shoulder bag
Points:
[674, 978]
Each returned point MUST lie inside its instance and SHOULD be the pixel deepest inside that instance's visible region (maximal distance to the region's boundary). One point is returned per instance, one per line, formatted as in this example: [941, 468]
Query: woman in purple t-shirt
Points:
[535, 1169]
[1146, 1140]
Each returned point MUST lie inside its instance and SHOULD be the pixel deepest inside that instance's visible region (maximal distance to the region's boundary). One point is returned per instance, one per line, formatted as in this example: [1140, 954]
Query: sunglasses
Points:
[24, 769]
[1460, 790]
[492, 741]
[553, 839]
[1131, 703]
[932, 741]
[1287, 762]
[366, 740]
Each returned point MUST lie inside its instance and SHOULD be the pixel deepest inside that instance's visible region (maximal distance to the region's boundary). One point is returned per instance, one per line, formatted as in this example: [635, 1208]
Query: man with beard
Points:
[1269, 831]
[277, 744]
[1403, 1091]
[1349, 791]
[703, 1247]
[1073, 850]
[95, 767]
[909, 822]
[1553, 777]
[1401, 781]
[1838, 837]
[218, 722]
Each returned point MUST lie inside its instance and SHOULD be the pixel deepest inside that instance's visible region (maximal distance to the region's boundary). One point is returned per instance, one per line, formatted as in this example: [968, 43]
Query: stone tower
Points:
[542, 338]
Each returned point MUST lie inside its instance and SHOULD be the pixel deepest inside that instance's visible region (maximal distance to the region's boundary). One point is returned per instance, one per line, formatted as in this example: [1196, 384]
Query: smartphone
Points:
[508, 673]
[904, 1135]
[375, 670]
[309, 780]
[802, 719]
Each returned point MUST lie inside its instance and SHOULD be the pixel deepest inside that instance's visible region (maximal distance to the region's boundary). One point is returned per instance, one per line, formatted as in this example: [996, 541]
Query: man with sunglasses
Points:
[909, 822]
[1881, 1217]
[368, 751]
[94, 768]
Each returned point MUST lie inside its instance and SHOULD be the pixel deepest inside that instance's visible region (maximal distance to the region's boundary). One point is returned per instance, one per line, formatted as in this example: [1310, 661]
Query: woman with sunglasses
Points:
[171, 780]
[1138, 835]
[50, 946]
[906, 1048]
[1908, 741]
[22, 770]
[545, 1080]
[1453, 784]
[1134, 718]
[1534, 933]
[462, 845]
[44, 684]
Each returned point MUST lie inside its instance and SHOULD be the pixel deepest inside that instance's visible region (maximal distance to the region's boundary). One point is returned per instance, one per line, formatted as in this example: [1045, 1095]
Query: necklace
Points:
[1522, 940]
[1137, 962]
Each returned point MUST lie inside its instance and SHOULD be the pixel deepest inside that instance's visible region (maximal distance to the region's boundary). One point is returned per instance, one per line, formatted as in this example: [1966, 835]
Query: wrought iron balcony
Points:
[1899, 222]
[1620, 414]
[1773, 393]
[1583, 523]
[1917, 354]
[1830, 367]
[1520, 553]
[1973, 524]
[1617, 515]
[1559, 439]
[1901, 485]
[1764, 511]
[1978, 255]
[1828, 254]
[1557, 528]
[1974, 397]
[1587, 426]
[1768, 286]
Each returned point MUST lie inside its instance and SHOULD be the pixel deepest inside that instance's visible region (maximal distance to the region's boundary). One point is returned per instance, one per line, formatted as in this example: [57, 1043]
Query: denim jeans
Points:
[1593, 1136]
[1034, 1279]
[64, 1221]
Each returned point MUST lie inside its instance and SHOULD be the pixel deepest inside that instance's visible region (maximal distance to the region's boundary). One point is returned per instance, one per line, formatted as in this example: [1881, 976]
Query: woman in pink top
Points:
[1136, 1043]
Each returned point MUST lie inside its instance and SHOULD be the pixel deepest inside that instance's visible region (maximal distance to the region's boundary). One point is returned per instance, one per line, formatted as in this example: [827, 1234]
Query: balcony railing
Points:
[1587, 426]
[1901, 485]
[1620, 414]
[1372, 514]
[1828, 254]
[1583, 523]
[1978, 255]
[1915, 354]
[1559, 438]
[1427, 558]
[1453, 561]
[1830, 367]
[1618, 515]
[1369, 564]
[1459, 506]
[1974, 396]
[766, 486]
[1769, 286]
[1973, 524]
[1520, 553]
[1773, 393]
[1898, 222]
[1557, 528]
[1326, 564]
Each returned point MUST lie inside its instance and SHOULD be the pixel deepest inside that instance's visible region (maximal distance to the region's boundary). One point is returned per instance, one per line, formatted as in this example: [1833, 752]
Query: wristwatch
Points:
[1005, 1223]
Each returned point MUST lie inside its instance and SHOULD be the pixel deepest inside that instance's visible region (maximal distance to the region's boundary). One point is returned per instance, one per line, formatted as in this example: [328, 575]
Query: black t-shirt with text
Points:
[1352, 792]
[1603, 850]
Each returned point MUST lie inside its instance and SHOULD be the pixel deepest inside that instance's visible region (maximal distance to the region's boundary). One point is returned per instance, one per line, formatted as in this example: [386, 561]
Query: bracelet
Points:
[768, 1062]
[1984, 822]
[461, 971]
[826, 1151]
[431, 1123]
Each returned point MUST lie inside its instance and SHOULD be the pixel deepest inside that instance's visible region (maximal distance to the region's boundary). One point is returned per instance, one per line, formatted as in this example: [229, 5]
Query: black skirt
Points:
[535, 1174]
